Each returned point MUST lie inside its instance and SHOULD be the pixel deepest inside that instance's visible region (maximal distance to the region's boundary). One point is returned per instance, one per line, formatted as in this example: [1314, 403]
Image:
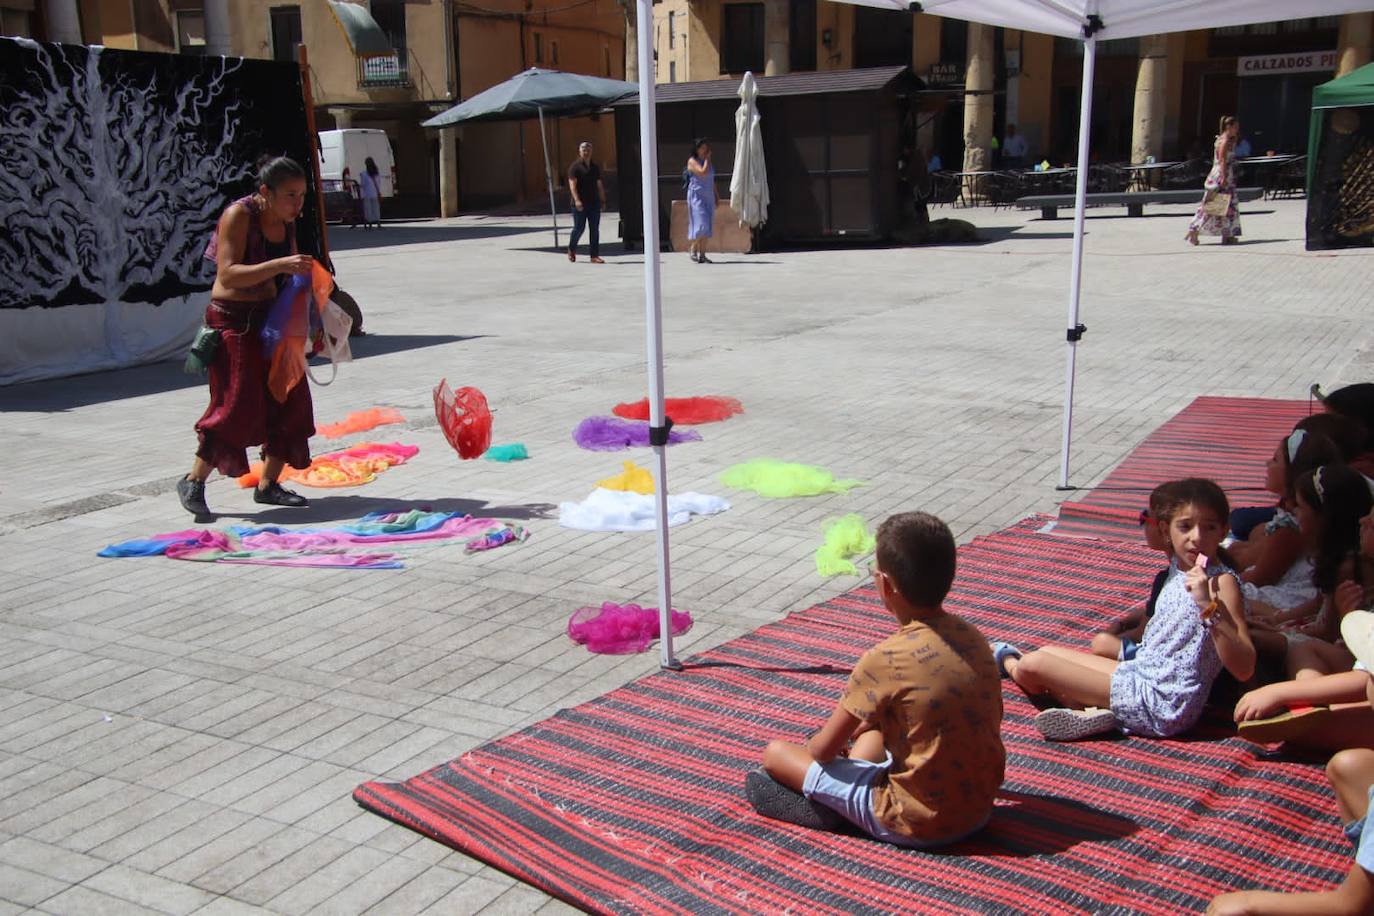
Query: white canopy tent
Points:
[1085, 20]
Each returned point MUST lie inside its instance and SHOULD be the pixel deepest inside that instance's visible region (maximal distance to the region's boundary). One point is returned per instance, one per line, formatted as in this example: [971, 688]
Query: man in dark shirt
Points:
[588, 197]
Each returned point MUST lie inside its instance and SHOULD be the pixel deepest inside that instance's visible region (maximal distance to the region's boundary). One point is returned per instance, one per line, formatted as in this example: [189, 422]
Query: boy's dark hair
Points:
[1348, 434]
[1194, 491]
[1357, 403]
[273, 170]
[1340, 495]
[916, 551]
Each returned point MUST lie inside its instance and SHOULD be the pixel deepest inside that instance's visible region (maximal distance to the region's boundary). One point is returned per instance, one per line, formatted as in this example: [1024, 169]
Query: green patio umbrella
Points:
[534, 94]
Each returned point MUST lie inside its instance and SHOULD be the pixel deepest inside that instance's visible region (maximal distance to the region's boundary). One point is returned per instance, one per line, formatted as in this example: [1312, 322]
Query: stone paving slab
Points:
[183, 738]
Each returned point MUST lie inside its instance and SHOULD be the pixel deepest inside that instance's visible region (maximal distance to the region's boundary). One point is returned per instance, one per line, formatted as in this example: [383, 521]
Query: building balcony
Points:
[389, 71]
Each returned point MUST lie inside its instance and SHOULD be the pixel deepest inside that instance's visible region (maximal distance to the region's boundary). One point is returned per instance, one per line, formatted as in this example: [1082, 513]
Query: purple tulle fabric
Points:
[612, 434]
[615, 629]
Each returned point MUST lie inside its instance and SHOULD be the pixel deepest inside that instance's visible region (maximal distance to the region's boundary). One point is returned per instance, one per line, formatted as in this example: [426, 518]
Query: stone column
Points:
[631, 41]
[64, 21]
[1354, 45]
[343, 118]
[448, 172]
[217, 31]
[777, 39]
[978, 86]
[1151, 97]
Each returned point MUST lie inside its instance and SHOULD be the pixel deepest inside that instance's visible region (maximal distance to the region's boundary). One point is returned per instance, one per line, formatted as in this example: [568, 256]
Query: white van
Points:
[344, 152]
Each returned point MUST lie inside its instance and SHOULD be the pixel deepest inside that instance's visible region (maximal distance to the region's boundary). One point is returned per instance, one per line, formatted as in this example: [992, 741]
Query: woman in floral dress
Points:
[1220, 180]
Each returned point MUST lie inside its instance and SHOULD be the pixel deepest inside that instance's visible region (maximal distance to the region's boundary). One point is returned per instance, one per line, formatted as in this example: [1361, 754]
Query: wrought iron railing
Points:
[387, 70]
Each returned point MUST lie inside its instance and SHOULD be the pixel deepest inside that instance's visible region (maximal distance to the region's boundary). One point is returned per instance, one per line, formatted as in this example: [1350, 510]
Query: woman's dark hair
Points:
[371, 165]
[916, 551]
[273, 170]
[1312, 451]
[1348, 434]
[1192, 491]
[1341, 497]
[1227, 121]
[1357, 403]
[697, 144]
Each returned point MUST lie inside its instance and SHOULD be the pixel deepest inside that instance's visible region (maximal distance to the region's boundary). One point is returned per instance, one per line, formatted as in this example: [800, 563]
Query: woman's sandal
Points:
[1190, 238]
[1293, 723]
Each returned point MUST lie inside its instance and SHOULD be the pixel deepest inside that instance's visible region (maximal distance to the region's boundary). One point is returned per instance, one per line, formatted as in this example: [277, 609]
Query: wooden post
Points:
[314, 165]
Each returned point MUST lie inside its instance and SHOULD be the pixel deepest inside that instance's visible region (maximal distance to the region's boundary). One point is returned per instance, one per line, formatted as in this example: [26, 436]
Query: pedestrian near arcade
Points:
[701, 199]
[1218, 213]
[588, 199]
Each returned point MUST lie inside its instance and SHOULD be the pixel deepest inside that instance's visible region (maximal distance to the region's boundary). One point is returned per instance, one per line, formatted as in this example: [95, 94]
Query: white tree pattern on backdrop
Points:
[110, 184]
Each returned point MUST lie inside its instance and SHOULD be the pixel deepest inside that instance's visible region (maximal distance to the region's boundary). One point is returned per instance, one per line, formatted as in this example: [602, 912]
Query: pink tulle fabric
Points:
[612, 434]
[711, 408]
[615, 629]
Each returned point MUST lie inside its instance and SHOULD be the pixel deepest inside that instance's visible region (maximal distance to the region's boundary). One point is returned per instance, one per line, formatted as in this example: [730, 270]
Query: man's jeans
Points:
[586, 218]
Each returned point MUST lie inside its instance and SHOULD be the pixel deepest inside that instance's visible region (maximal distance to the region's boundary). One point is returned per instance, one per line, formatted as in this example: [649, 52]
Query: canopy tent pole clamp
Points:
[1076, 333]
[658, 435]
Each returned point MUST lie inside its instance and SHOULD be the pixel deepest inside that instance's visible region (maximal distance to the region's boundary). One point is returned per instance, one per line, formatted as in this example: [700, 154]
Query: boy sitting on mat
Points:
[923, 709]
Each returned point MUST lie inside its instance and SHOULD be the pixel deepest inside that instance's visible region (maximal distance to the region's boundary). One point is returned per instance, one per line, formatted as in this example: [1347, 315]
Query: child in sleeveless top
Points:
[1330, 502]
[1198, 629]
[1326, 713]
[1275, 574]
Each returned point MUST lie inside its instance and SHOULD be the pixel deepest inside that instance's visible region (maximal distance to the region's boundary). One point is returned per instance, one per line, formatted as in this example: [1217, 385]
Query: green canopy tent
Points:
[1340, 162]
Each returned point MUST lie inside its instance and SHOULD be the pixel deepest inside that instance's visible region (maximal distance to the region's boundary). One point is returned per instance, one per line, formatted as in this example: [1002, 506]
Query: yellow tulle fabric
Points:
[633, 479]
[845, 537]
[780, 479]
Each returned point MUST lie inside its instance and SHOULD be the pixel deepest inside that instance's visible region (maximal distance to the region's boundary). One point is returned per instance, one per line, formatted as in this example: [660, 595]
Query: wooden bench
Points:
[1134, 201]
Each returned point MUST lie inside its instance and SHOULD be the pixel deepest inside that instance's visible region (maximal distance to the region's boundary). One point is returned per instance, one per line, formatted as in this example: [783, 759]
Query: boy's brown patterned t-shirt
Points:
[933, 690]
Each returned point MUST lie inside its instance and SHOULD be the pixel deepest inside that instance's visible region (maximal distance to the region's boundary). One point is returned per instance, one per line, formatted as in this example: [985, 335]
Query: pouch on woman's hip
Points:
[204, 346]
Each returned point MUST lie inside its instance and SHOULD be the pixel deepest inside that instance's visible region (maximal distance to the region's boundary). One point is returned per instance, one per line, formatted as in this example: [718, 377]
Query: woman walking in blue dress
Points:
[701, 199]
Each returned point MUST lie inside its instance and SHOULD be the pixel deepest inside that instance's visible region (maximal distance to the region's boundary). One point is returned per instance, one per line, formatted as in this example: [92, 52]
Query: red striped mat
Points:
[1225, 439]
[633, 802]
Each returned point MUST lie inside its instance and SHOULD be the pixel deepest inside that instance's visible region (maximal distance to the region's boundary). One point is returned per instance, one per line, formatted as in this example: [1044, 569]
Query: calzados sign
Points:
[1272, 64]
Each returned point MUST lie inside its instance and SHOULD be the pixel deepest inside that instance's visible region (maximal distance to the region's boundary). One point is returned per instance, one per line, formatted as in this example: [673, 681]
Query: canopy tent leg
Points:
[548, 177]
[1075, 330]
[653, 313]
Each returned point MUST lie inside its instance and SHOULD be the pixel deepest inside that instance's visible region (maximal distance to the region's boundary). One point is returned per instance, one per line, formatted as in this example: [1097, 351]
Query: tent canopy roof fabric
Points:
[364, 35]
[1356, 88]
[525, 94]
[1120, 18]
[792, 84]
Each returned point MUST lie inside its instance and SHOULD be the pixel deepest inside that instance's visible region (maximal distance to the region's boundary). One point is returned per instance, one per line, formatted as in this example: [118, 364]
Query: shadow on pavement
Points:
[324, 509]
[51, 395]
[346, 238]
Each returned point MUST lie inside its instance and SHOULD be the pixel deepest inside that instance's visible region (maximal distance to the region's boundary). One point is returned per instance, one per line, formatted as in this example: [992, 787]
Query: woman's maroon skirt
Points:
[242, 412]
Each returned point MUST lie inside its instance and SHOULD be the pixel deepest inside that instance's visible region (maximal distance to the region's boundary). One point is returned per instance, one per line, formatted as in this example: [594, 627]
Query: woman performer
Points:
[254, 247]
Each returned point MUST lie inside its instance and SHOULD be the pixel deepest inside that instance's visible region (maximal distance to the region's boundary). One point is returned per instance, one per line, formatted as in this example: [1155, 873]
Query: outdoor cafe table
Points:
[1046, 180]
[1141, 174]
[1264, 168]
[968, 184]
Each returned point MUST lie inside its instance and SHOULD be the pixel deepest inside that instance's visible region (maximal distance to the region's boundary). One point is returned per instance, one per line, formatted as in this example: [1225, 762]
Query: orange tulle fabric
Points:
[360, 422]
[351, 467]
[288, 358]
[685, 411]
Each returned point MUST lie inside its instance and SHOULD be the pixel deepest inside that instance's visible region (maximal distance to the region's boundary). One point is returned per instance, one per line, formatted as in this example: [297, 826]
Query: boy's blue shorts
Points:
[845, 786]
[1129, 647]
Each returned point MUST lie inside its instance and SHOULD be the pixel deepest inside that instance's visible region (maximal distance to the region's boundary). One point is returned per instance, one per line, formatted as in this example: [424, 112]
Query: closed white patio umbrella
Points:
[749, 180]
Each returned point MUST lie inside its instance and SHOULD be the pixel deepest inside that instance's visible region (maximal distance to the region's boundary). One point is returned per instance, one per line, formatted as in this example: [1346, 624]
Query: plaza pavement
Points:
[183, 738]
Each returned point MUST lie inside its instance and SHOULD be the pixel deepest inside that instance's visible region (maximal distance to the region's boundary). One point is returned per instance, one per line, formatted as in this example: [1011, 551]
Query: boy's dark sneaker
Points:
[772, 799]
[274, 494]
[192, 496]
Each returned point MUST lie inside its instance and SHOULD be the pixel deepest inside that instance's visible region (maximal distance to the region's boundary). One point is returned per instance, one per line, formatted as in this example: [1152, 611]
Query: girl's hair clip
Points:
[1317, 484]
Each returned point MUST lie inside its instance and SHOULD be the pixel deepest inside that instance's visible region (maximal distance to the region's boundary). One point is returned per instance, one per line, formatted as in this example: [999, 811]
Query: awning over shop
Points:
[364, 35]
